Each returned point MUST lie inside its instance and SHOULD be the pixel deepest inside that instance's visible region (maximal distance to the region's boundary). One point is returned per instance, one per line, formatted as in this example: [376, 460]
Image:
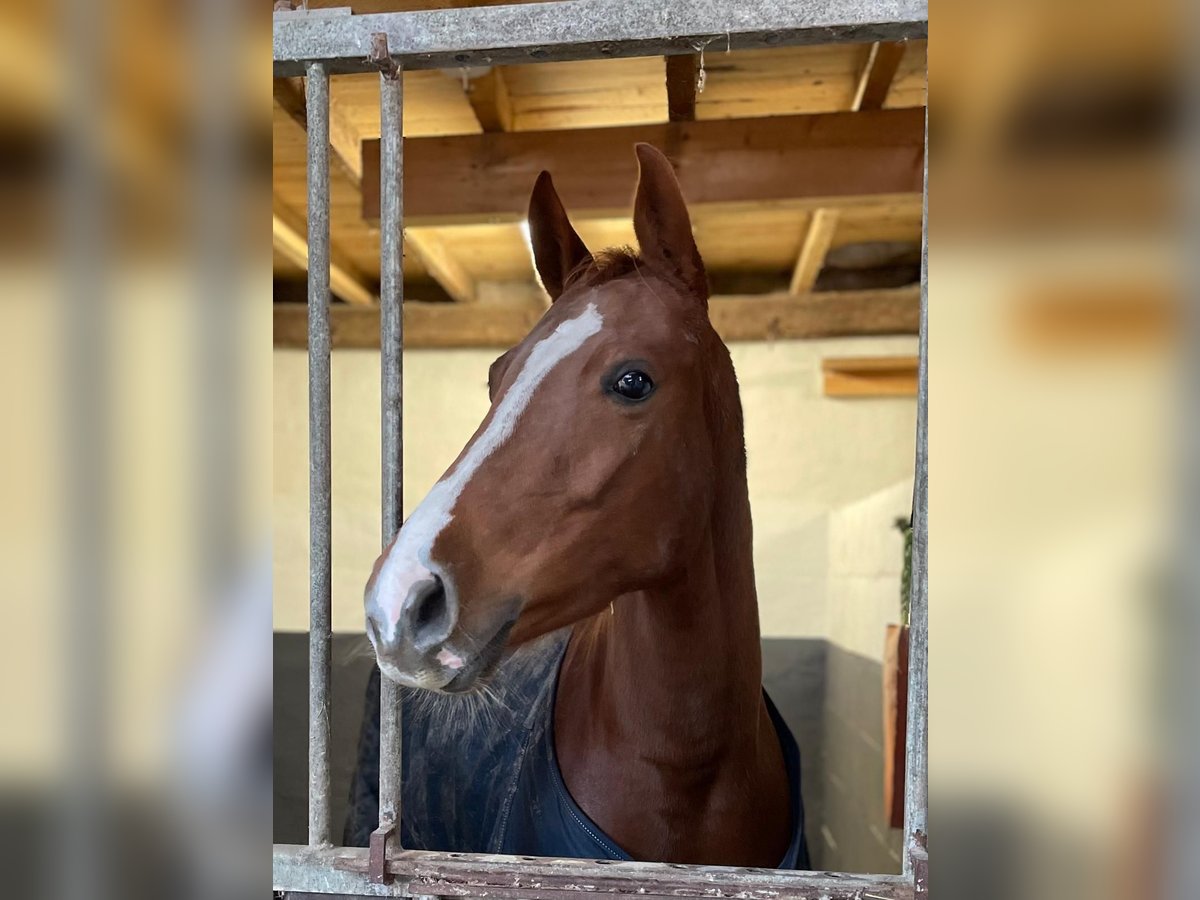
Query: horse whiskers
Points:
[451, 718]
[454, 716]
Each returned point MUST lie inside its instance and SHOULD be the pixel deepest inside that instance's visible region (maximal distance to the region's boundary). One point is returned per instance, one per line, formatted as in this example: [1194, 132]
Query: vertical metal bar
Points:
[80, 860]
[916, 794]
[319, 624]
[391, 295]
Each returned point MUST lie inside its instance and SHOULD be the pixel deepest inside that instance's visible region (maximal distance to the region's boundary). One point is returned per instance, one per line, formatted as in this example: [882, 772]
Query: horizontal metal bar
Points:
[343, 870]
[586, 29]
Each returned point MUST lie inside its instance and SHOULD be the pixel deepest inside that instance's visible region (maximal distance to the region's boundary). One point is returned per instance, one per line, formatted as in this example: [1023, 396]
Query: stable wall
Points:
[866, 558]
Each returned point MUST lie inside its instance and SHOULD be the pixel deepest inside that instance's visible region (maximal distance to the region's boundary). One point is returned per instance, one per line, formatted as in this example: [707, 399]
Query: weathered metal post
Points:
[391, 333]
[916, 752]
[320, 573]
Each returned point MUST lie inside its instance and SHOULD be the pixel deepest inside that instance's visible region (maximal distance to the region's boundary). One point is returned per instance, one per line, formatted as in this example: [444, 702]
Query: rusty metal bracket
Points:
[918, 860]
[380, 58]
[377, 853]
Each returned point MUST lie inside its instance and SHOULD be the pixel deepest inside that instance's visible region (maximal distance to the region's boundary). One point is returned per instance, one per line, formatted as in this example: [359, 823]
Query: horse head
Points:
[590, 477]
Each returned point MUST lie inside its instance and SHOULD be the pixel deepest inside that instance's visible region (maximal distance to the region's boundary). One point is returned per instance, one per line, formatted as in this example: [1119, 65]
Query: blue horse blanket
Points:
[481, 775]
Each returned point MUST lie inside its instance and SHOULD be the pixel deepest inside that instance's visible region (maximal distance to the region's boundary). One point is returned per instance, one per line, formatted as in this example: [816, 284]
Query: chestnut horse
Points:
[586, 563]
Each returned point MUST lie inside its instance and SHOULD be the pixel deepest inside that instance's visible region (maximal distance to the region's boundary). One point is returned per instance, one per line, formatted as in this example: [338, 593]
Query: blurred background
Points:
[152, 475]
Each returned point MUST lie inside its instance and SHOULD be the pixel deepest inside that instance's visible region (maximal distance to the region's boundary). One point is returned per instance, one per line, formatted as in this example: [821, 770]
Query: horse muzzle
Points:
[418, 646]
[411, 642]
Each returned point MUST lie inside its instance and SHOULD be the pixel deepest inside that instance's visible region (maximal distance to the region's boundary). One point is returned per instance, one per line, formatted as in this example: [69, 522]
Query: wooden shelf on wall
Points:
[870, 376]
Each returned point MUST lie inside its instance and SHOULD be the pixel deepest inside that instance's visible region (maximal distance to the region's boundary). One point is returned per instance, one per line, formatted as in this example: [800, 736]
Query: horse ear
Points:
[557, 249]
[662, 224]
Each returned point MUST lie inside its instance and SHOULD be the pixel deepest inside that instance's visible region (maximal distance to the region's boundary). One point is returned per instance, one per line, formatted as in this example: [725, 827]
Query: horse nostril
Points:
[429, 613]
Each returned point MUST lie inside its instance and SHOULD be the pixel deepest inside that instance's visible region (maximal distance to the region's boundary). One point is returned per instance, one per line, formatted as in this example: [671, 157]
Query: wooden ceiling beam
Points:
[488, 96]
[289, 238]
[441, 263]
[426, 325]
[487, 177]
[750, 318]
[343, 138]
[289, 94]
[878, 73]
[826, 314]
[346, 143]
[817, 240]
[683, 84]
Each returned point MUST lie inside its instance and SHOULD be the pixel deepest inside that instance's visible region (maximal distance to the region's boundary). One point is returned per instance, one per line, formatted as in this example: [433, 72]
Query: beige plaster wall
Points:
[863, 576]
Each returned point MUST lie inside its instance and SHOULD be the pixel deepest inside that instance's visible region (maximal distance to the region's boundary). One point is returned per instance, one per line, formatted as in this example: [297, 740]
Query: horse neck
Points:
[662, 695]
[676, 671]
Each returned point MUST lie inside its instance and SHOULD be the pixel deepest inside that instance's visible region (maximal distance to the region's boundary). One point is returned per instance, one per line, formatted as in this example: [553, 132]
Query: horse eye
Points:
[634, 385]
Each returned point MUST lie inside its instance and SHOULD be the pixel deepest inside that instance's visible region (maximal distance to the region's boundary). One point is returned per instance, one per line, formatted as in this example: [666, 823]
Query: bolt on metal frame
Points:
[319, 42]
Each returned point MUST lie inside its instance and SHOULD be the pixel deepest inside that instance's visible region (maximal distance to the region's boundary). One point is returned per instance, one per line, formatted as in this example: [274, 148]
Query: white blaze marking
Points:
[409, 558]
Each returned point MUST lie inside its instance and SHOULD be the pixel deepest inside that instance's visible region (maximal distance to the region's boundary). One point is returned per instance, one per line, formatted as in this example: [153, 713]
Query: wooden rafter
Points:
[758, 317]
[289, 239]
[345, 142]
[441, 263]
[488, 96]
[426, 325]
[821, 227]
[289, 94]
[487, 177]
[878, 72]
[682, 86]
[750, 318]
[343, 139]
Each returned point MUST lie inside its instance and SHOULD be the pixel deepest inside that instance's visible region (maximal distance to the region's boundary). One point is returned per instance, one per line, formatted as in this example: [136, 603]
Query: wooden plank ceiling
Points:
[846, 215]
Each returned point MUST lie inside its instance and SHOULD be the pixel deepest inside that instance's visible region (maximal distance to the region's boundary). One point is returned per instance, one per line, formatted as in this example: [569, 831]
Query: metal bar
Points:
[377, 852]
[319, 624]
[82, 811]
[916, 792]
[586, 29]
[391, 339]
[343, 870]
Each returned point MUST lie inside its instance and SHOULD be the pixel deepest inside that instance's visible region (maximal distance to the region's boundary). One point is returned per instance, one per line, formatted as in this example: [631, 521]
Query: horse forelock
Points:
[722, 402]
[603, 267]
